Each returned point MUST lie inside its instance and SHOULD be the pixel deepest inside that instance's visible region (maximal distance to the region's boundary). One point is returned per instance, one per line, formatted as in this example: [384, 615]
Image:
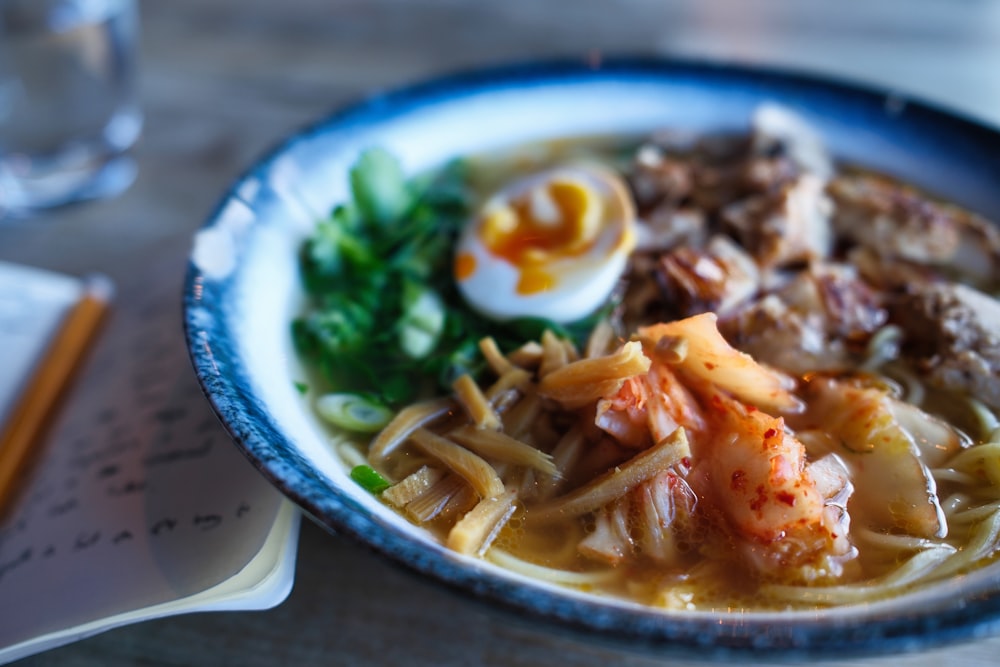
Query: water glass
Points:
[68, 108]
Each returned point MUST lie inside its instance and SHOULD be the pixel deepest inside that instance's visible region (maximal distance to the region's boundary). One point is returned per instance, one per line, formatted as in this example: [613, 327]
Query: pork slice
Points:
[659, 179]
[899, 222]
[667, 227]
[789, 226]
[853, 310]
[718, 185]
[888, 274]
[772, 332]
[952, 333]
[817, 320]
[716, 279]
[777, 128]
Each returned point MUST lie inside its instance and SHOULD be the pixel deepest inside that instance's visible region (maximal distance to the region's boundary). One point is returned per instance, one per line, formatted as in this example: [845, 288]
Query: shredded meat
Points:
[898, 222]
[853, 309]
[777, 129]
[659, 180]
[709, 176]
[719, 185]
[667, 227]
[815, 321]
[784, 227]
[889, 275]
[894, 220]
[953, 335]
[716, 279]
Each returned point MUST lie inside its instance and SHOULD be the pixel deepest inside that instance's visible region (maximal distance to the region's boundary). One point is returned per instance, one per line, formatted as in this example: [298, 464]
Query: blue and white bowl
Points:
[242, 291]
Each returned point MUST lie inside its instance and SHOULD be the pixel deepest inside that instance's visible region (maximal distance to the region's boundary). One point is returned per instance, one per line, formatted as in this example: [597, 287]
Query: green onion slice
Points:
[353, 412]
[369, 479]
[422, 323]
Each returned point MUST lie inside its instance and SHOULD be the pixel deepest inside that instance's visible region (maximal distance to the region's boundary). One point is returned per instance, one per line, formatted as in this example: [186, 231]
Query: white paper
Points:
[32, 304]
[140, 505]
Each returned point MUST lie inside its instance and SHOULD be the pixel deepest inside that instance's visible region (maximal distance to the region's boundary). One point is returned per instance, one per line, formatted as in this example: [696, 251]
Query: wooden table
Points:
[222, 80]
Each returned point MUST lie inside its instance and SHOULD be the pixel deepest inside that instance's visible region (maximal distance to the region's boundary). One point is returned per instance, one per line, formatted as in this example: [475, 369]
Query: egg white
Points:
[583, 286]
[583, 283]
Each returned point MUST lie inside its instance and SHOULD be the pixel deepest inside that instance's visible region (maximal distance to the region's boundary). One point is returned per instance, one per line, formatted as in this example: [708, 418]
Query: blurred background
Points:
[221, 81]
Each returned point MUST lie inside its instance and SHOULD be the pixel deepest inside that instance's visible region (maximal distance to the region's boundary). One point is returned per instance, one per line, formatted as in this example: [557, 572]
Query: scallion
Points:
[353, 412]
[369, 479]
[379, 187]
[422, 323]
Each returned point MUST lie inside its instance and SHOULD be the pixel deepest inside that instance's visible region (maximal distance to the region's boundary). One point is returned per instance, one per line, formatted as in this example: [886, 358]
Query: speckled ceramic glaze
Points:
[242, 291]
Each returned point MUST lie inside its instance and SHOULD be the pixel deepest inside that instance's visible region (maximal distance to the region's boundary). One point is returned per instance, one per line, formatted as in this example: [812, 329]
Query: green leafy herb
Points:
[386, 320]
[369, 479]
[379, 188]
[422, 321]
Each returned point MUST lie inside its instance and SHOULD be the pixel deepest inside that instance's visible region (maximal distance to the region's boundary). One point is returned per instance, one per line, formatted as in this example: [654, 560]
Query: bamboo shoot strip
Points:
[616, 482]
[502, 447]
[600, 340]
[554, 354]
[565, 456]
[475, 532]
[470, 467]
[432, 502]
[528, 355]
[478, 407]
[581, 382]
[499, 363]
[412, 486]
[523, 415]
[408, 420]
[516, 379]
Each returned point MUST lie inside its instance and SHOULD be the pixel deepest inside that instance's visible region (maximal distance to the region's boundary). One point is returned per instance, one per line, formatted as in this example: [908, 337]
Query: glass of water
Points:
[68, 108]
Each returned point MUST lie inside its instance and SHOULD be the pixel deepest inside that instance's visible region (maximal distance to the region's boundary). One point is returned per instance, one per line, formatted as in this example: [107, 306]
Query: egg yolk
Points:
[465, 266]
[556, 220]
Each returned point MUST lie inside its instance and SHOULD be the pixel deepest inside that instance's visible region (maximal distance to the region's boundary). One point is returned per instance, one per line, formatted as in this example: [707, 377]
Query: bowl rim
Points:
[646, 630]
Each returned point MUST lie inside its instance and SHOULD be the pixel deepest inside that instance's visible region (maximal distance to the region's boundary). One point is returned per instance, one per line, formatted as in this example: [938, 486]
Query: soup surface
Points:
[697, 372]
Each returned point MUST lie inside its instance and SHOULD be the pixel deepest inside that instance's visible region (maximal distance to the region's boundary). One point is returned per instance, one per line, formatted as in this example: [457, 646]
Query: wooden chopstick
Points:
[31, 414]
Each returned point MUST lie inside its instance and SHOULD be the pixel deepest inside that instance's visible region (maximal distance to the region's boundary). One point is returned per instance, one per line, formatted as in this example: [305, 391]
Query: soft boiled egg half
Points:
[550, 245]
